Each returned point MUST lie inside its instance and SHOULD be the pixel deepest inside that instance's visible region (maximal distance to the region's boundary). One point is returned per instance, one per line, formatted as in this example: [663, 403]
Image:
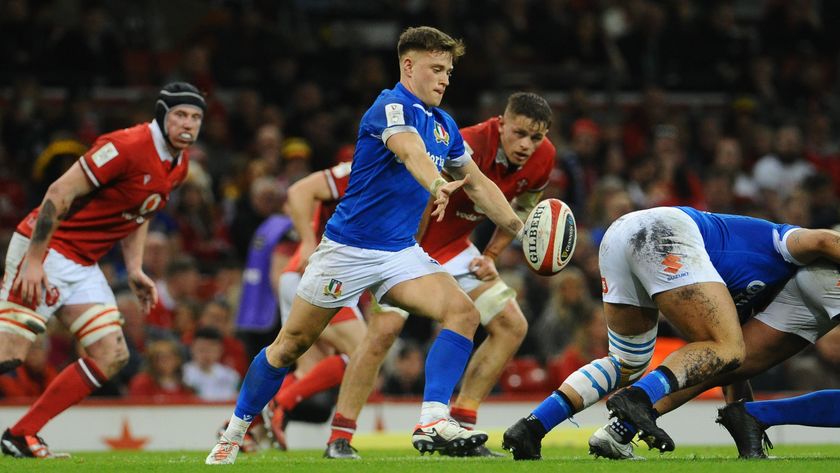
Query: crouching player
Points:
[807, 308]
[688, 265]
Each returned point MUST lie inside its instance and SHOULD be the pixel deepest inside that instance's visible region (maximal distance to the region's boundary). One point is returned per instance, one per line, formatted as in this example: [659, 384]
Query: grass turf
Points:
[802, 458]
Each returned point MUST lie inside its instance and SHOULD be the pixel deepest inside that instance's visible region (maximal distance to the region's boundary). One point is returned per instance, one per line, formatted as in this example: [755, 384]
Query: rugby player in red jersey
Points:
[108, 195]
[511, 150]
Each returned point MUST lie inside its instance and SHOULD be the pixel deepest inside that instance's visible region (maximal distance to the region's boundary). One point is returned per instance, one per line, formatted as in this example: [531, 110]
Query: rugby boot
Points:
[340, 449]
[446, 435]
[522, 442]
[632, 404]
[607, 443]
[749, 434]
[27, 446]
[224, 453]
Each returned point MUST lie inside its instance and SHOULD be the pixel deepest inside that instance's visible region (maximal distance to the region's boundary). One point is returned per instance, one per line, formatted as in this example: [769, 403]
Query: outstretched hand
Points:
[443, 193]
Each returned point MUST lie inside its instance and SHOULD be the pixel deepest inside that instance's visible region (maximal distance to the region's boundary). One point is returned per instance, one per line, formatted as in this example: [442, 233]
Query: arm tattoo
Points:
[44, 224]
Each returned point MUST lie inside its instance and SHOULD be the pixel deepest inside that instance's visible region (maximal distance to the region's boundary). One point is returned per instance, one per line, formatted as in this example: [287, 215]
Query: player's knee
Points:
[121, 358]
[290, 348]
[380, 341]
[510, 324]
[9, 365]
[734, 357]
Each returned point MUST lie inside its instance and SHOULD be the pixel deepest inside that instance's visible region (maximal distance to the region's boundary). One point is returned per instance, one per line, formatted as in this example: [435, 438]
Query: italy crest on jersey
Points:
[441, 136]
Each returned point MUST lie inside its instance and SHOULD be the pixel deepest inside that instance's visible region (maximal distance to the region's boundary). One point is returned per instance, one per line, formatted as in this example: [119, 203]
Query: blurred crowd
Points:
[727, 106]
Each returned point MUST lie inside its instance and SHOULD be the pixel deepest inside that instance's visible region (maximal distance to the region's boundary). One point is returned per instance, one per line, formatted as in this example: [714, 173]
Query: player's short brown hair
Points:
[426, 38]
[530, 105]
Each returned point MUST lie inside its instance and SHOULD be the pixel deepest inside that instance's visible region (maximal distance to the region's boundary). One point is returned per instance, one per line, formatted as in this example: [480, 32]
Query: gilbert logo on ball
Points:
[550, 237]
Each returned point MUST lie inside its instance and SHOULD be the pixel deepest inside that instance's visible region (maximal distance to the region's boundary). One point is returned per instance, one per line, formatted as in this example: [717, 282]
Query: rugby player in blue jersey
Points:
[806, 309]
[699, 270]
[403, 143]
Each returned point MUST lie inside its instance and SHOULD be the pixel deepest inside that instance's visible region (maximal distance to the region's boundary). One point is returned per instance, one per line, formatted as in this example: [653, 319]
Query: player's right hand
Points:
[31, 282]
[443, 193]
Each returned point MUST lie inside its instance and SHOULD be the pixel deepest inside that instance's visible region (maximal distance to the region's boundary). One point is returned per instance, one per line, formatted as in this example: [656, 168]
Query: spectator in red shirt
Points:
[162, 377]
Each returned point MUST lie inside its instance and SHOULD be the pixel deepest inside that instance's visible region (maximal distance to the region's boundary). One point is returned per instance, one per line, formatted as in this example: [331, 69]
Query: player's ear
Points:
[407, 64]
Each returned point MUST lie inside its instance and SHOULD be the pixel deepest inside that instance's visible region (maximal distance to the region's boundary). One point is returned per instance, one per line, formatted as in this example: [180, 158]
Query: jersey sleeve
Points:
[338, 177]
[105, 162]
[780, 240]
[390, 116]
[458, 154]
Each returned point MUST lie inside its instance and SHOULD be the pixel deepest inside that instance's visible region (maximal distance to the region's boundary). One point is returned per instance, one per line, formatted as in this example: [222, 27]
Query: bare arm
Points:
[410, 149]
[807, 245]
[303, 198]
[489, 198]
[141, 284]
[54, 207]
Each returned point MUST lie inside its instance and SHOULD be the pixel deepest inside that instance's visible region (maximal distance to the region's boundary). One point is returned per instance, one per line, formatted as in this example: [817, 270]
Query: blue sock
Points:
[445, 364]
[818, 409]
[261, 384]
[658, 383]
[553, 410]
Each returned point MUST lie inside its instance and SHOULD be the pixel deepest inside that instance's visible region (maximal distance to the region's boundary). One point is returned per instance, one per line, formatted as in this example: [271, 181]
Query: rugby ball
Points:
[549, 237]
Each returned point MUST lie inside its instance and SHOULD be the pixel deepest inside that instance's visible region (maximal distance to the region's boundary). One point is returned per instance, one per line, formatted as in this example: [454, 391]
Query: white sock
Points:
[432, 411]
[236, 429]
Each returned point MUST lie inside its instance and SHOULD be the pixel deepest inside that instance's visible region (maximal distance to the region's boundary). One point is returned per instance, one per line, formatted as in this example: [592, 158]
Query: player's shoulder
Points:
[127, 139]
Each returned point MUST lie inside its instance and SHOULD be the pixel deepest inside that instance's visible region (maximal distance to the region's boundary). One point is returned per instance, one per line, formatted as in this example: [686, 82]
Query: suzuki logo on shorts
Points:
[148, 206]
[333, 288]
[604, 288]
[672, 267]
[672, 264]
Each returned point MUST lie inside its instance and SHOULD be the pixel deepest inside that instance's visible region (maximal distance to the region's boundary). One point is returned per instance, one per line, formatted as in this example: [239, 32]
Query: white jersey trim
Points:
[458, 162]
[88, 172]
[391, 131]
[782, 247]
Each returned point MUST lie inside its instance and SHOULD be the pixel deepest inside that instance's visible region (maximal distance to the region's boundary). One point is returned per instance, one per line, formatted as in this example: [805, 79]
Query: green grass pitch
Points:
[789, 459]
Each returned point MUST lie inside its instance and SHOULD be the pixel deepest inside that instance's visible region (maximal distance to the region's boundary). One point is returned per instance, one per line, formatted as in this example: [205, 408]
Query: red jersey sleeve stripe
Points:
[88, 172]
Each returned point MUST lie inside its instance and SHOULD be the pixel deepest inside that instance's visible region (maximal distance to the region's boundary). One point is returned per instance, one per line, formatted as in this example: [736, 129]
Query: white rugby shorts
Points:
[650, 251]
[808, 305]
[75, 283]
[337, 274]
[287, 287]
[459, 268]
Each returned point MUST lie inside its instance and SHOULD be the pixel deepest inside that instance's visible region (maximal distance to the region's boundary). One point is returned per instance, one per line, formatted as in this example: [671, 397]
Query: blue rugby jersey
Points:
[748, 253]
[384, 203]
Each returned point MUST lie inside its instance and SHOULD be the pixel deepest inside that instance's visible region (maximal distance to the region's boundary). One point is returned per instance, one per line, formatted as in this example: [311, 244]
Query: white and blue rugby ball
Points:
[549, 237]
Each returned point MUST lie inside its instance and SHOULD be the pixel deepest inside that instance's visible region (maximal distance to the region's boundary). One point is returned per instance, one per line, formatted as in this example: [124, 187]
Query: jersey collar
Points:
[403, 90]
[160, 144]
[501, 158]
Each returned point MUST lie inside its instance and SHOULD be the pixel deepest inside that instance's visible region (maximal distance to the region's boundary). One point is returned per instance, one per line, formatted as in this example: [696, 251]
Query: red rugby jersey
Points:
[446, 239]
[132, 173]
[337, 178]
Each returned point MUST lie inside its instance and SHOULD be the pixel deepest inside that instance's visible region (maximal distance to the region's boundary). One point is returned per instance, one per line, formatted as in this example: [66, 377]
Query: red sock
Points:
[465, 417]
[73, 384]
[342, 428]
[326, 374]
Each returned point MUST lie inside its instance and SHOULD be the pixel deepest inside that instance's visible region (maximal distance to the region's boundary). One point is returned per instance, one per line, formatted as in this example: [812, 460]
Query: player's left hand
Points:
[144, 288]
[484, 268]
[443, 193]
